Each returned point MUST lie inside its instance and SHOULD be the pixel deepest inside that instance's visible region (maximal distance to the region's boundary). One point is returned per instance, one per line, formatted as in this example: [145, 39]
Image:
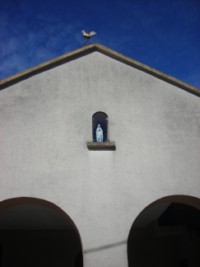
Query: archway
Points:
[166, 233]
[35, 232]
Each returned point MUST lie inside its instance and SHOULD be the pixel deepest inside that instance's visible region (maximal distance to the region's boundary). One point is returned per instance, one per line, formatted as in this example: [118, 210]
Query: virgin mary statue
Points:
[99, 134]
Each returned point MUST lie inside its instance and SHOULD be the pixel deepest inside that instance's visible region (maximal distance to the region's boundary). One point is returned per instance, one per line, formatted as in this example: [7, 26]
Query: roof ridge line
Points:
[89, 49]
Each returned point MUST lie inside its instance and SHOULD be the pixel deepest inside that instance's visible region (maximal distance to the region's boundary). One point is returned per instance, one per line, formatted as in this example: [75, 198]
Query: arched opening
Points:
[35, 232]
[167, 234]
[100, 118]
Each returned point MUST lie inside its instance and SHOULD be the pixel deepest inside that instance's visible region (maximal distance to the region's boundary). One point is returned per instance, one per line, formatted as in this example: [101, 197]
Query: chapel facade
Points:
[99, 164]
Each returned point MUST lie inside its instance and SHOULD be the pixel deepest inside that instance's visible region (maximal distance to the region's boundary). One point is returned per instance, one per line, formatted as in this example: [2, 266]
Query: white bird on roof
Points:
[88, 35]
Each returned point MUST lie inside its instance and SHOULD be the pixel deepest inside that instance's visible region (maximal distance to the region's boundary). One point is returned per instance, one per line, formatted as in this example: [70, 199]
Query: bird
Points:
[87, 36]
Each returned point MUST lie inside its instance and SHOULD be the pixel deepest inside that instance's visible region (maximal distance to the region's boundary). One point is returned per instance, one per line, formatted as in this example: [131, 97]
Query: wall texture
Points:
[46, 120]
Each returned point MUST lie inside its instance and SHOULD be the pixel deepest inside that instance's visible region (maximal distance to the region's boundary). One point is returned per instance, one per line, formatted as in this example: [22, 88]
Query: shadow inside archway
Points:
[165, 234]
[37, 233]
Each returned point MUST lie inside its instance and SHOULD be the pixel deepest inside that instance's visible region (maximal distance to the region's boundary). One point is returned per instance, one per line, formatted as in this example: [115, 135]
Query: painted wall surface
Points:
[46, 120]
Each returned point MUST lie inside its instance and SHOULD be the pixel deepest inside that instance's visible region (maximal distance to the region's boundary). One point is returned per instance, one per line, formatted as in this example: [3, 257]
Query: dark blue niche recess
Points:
[102, 119]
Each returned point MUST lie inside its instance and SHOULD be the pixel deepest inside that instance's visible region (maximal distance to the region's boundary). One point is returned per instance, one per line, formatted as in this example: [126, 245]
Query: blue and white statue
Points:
[99, 134]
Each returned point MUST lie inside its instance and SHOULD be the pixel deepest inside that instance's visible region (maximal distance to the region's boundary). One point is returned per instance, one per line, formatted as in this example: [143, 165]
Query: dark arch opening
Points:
[166, 233]
[35, 232]
[102, 119]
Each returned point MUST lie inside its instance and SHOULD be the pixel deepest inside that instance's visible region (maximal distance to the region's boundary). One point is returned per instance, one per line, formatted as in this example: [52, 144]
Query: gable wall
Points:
[46, 122]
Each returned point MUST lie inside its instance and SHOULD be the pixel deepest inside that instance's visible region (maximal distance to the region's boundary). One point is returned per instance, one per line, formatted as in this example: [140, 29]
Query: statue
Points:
[99, 134]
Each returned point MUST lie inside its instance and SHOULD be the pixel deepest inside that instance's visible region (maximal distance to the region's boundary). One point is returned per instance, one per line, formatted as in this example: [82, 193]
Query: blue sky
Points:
[164, 34]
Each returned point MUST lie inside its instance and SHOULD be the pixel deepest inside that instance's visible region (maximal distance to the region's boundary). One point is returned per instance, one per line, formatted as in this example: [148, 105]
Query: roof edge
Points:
[104, 50]
[134, 63]
[45, 66]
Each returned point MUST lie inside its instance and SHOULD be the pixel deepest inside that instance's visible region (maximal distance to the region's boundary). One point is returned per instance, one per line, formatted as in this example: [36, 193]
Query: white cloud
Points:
[37, 43]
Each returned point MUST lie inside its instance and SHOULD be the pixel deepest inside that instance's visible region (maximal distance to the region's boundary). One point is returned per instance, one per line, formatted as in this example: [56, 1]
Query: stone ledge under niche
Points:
[101, 146]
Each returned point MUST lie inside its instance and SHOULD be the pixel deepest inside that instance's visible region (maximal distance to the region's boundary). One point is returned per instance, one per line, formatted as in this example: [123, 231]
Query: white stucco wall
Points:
[45, 122]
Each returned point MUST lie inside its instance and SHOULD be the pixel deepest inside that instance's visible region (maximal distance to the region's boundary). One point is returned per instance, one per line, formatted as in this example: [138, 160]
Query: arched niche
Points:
[166, 233]
[35, 232]
[100, 118]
